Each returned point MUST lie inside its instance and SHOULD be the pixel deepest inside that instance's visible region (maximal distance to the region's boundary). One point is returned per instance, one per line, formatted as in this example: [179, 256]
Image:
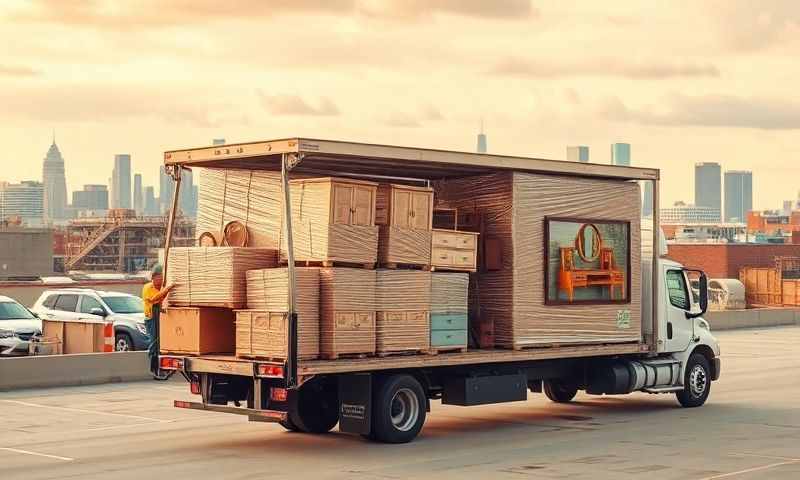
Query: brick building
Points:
[723, 260]
[773, 223]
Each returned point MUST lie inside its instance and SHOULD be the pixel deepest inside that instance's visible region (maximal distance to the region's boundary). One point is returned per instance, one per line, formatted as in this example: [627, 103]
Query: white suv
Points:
[126, 311]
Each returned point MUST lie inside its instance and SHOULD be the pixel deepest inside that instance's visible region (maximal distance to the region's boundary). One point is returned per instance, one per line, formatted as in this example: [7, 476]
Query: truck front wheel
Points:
[398, 410]
[696, 382]
[560, 391]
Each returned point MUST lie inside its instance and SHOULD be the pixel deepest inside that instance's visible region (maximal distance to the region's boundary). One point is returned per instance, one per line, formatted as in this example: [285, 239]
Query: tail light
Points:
[278, 394]
[272, 371]
[171, 363]
[194, 386]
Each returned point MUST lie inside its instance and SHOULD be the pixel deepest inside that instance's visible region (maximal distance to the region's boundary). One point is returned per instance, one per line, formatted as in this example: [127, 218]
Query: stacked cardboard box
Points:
[196, 330]
[404, 300]
[262, 329]
[347, 311]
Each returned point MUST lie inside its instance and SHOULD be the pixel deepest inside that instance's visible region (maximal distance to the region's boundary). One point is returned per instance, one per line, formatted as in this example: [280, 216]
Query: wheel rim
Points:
[405, 409]
[698, 380]
[122, 345]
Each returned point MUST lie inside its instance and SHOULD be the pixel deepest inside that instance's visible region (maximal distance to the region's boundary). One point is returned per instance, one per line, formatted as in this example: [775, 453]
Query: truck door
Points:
[680, 330]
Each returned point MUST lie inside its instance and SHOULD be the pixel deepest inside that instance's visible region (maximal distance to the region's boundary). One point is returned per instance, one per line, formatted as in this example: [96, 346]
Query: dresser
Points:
[404, 215]
[454, 250]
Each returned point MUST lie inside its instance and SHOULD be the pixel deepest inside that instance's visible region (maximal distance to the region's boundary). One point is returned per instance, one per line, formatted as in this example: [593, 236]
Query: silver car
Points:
[17, 326]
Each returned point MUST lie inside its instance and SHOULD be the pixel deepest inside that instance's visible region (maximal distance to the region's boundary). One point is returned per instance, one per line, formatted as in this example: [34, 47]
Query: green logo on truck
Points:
[623, 319]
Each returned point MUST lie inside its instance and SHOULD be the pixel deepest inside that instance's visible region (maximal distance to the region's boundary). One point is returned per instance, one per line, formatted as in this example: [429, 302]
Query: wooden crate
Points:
[449, 292]
[454, 250]
[83, 337]
[790, 293]
[762, 286]
[405, 216]
[214, 276]
[197, 330]
[333, 220]
[263, 334]
[347, 311]
[402, 289]
[402, 331]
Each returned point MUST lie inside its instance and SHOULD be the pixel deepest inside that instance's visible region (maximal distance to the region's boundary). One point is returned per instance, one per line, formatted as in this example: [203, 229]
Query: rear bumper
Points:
[717, 368]
[253, 414]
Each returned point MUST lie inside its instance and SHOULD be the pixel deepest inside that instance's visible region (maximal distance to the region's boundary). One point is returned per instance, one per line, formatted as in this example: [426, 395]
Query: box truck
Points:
[569, 289]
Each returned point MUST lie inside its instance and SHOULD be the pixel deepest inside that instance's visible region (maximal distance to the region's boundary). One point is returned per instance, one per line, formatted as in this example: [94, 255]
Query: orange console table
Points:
[570, 278]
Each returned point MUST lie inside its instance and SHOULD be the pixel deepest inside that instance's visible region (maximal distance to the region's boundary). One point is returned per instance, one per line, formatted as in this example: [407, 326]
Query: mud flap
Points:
[355, 403]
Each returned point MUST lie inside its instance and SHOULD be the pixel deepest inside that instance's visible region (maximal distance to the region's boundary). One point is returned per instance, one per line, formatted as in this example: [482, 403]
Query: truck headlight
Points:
[142, 328]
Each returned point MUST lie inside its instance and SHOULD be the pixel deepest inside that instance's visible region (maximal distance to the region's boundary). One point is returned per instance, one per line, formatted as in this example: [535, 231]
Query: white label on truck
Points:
[623, 319]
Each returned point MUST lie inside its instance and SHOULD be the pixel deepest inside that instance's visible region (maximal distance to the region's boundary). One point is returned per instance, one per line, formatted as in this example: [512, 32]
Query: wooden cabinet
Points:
[404, 214]
[454, 250]
[333, 220]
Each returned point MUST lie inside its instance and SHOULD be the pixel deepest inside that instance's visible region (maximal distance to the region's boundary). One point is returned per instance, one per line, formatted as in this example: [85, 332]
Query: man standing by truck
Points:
[152, 295]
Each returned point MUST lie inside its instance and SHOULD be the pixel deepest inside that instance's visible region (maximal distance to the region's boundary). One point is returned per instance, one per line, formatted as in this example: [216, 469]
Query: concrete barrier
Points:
[76, 369]
[752, 318]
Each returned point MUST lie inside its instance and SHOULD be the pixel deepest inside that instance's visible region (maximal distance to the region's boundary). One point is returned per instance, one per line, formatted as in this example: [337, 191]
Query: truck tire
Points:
[314, 408]
[123, 342]
[696, 382]
[398, 410]
[560, 391]
[289, 425]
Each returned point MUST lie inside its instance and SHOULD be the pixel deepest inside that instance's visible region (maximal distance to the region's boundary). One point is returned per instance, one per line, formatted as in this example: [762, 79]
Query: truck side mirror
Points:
[702, 286]
[98, 311]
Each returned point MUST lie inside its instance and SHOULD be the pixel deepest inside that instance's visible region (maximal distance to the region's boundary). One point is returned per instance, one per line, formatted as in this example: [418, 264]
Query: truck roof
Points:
[332, 157]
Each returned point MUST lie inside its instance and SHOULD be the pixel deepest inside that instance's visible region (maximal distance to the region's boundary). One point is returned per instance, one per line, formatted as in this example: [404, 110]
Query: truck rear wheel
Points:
[314, 408]
[398, 410]
[696, 382]
[560, 391]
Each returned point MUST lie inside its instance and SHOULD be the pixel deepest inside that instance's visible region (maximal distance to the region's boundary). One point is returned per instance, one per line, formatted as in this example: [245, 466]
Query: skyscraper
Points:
[708, 186]
[738, 195]
[218, 141]
[150, 204]
[138, 195]
[579, 153]
[166, 187]
[482, 141]
[55, 184]
[24, 200]
[92, 197]
[620, 154]
[186, 201]
[788, 206]
[121, 181]
[647, 199]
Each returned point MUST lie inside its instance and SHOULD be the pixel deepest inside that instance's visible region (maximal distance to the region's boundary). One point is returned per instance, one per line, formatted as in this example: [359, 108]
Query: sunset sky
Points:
[682, 81]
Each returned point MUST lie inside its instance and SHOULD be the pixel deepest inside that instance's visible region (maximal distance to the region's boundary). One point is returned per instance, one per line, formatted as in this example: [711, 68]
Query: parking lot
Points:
[750, 429]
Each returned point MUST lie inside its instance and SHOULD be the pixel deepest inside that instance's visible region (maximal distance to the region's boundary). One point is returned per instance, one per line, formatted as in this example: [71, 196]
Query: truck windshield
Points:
[14, 311]
[120, 304]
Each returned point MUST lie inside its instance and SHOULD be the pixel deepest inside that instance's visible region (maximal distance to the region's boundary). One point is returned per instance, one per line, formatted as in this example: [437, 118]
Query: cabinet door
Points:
[420, 210]
[363, 206]
[401, 208]
[342, 203]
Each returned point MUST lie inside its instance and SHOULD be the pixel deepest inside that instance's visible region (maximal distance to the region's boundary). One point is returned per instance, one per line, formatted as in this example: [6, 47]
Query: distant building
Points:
[138, 194]
[166, 188]
[150, 202]
[55, 184]
[738, 195]
[579, 153]
[788, 206]
[188, 195]
[218, 141]
[647, 199]
[121, 182]
[685, 214]
[773, 223]
[24, 200]
[482, 140]
[25, 252]
[708, 186]
[92, 197]
[621, 154]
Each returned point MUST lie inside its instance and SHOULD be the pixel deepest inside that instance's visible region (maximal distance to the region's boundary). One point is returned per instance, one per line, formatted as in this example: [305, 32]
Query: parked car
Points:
[125, 310]
[17, 326]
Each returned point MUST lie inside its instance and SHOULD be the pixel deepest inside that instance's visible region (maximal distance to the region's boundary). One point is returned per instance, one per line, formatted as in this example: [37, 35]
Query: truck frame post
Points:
[175, 172]
[655, 282]
[287, 162]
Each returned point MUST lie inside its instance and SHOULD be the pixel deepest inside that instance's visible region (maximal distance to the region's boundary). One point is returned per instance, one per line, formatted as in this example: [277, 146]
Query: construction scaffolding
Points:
[121, 241]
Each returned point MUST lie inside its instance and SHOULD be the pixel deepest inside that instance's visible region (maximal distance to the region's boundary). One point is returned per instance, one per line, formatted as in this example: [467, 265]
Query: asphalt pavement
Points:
[749, 429]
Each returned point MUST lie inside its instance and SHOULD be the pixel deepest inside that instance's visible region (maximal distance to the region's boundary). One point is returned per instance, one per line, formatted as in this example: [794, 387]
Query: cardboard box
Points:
[197, 330]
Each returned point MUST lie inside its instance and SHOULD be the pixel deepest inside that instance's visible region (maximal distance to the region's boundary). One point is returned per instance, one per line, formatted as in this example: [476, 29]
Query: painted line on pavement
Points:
[751, 470]
[81, 410]
[37, 454]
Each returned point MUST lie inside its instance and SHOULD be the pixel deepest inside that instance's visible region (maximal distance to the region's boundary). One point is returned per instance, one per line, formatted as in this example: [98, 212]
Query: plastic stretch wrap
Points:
[402, 245]
[449, 292]
[268, 297]
[347, 311]
[214, 276]
[251, 197]
[403, 298]
[514, 206]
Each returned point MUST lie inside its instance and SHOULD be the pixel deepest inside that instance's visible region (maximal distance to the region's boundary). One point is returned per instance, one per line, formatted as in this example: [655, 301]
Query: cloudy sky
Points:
[682, 81]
